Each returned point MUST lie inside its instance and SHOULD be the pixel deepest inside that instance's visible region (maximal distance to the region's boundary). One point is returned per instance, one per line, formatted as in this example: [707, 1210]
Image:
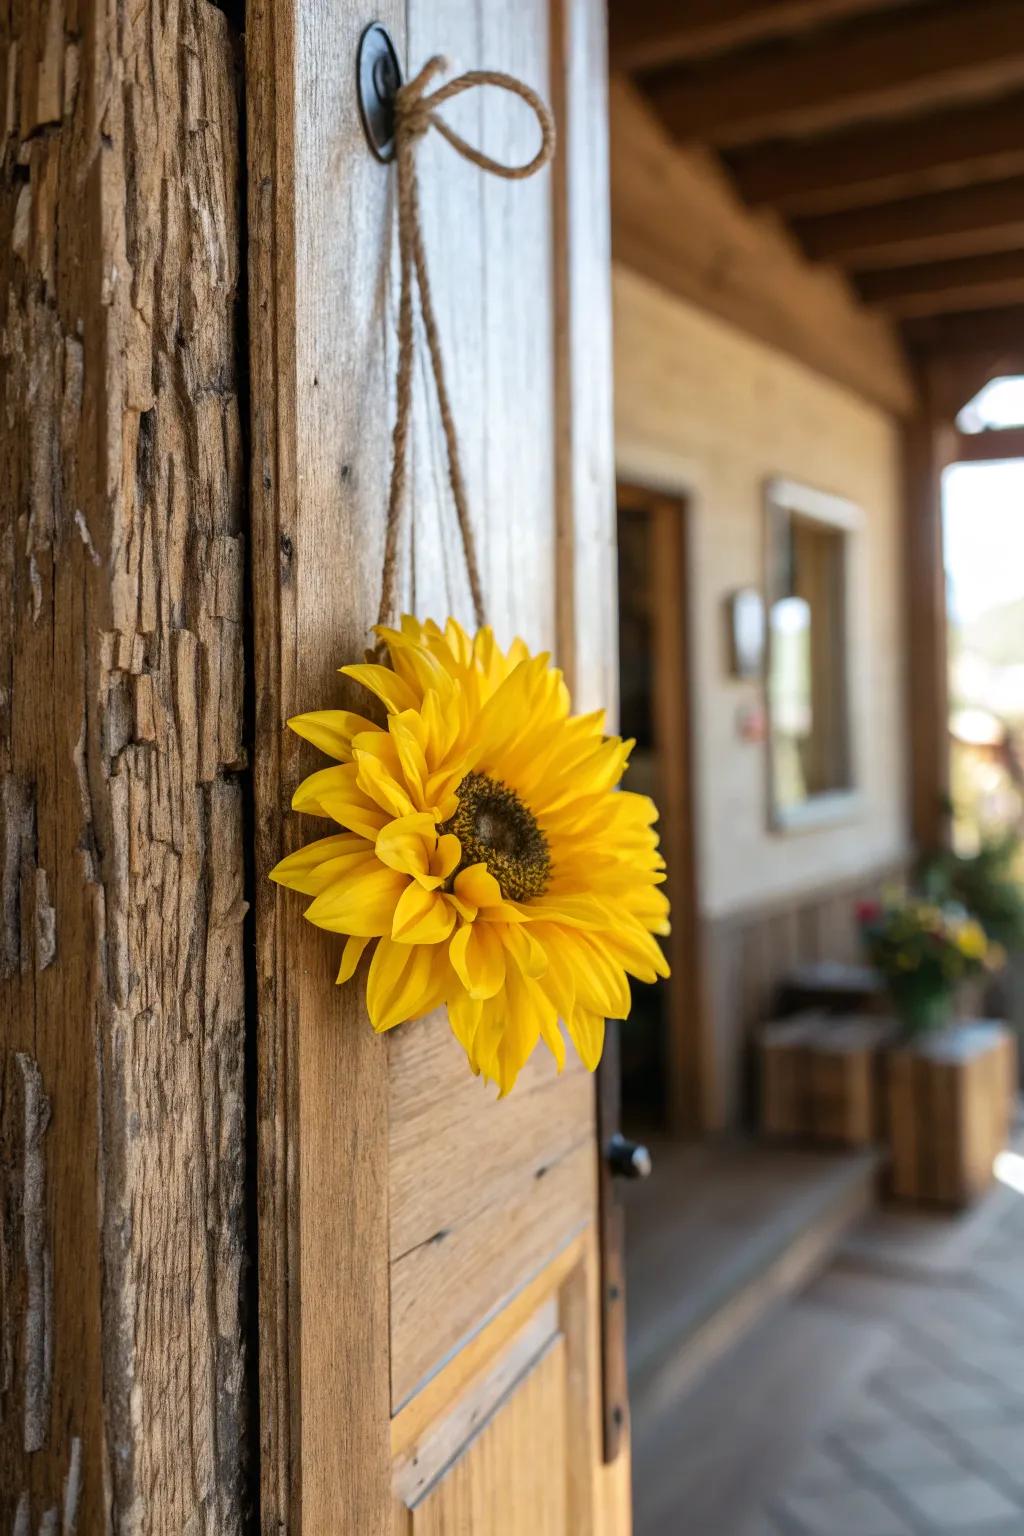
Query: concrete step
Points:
[715, 1239]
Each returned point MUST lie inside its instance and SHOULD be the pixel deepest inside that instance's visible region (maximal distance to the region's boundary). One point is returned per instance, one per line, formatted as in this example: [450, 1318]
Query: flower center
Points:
[495, 828]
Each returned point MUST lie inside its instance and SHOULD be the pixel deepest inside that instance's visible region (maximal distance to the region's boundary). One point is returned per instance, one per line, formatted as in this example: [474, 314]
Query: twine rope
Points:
[415, 114]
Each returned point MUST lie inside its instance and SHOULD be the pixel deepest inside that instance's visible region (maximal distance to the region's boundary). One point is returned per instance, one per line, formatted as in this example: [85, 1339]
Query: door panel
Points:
[505, 1438]
[512, 1476]
[429, 1286]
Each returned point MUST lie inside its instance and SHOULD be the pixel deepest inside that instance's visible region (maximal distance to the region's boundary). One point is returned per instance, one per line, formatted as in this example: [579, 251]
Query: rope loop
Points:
[415, 114]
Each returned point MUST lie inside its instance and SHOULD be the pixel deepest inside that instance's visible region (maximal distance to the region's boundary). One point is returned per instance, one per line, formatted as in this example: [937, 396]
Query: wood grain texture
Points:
[677, 221]
[122, 1366]
[439, 1289]
[321, 338]
[401, 1208]
[427, 1458]
[584, 438]
[454, 1146]
[486, 1350]
[512, 1476]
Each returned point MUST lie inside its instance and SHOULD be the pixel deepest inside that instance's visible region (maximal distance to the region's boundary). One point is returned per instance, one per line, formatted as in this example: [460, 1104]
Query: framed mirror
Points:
[810, 540]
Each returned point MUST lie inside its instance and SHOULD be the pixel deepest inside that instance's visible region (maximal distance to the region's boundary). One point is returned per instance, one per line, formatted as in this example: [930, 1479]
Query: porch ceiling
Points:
[887, 134]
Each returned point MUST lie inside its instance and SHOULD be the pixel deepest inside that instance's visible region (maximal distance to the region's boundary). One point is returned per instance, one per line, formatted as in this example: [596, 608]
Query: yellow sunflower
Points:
[484, 853]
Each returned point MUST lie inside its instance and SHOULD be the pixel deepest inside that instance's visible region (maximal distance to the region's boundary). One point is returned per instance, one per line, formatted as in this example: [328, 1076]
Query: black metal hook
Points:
[379, 75]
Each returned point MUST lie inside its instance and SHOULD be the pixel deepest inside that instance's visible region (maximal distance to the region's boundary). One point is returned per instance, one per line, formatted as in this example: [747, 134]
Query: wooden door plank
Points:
[453, 1145]
[512, 1476]
[587, 644]
[445, 1289]
[319, 322]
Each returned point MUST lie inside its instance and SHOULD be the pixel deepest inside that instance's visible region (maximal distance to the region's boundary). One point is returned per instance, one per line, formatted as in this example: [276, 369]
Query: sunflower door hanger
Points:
[484, 855]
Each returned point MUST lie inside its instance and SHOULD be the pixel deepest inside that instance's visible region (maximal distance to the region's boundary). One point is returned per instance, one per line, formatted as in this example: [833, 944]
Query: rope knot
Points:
[415, 114]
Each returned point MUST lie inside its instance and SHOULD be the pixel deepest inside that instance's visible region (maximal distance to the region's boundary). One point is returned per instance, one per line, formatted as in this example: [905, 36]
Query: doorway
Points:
[666, 1065]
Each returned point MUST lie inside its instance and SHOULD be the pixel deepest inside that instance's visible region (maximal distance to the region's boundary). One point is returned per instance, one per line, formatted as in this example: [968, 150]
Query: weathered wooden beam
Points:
[122, 758]
[677, 221]
[665, 32]
[962, 221]
[988, 447]
[931, 288]
[881, 161]
[911, 59]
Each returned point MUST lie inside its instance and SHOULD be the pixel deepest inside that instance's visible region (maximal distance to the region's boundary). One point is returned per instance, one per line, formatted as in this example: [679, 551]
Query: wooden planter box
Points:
[820, 1079]
[949, 1103]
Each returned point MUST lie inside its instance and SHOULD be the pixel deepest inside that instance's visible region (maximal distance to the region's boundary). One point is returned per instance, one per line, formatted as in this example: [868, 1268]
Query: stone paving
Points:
[932, 1443]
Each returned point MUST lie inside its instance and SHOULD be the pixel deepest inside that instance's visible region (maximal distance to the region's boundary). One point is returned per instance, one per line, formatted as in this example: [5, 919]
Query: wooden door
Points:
[659, 525]
[429, 1283]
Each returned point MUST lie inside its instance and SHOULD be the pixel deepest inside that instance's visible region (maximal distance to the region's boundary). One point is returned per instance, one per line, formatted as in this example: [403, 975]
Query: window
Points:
[998, 405]
[807, 671]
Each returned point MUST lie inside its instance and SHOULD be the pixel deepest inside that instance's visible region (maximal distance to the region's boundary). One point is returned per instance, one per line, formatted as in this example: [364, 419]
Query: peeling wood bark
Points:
[122, 1230]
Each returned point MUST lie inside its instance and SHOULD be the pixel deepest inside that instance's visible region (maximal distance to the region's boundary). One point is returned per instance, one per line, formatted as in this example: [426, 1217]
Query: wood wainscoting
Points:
[747, 953]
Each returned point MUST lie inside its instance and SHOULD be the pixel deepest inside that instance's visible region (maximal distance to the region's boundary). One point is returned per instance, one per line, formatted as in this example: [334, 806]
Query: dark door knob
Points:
[627, 1159]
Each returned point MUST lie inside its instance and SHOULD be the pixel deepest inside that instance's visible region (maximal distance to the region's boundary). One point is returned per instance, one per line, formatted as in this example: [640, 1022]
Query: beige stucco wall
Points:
[703, 409]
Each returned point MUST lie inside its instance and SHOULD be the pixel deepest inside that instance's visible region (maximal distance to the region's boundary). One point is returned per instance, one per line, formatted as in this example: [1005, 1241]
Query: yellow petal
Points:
[478, 886]
[587, 1031]
[374, 780]
[404, 982]
[447, 856]
[464, 1016]
[405, 843]
[334, 792]
[404, 730]
[478, 957]
[387, 685]
[530, 956]
[350, 958]
[304, 869]
[363, 906]
[422, 917]
[331, 730]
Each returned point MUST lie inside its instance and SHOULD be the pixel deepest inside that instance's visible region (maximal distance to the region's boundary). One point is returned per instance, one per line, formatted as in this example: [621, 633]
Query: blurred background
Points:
[818, 271]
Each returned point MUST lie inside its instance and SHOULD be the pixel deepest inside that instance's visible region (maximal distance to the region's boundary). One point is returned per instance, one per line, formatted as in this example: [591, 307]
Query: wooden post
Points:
[122, 1221]
[926, 454]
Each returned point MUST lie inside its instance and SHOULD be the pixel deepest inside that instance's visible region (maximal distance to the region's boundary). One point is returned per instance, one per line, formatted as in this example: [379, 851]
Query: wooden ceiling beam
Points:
[965, 221]
[997, 334]
[988, 447]
[678, 222]
[930, 288]
[893, 63]
[665, 32]
[881, 161]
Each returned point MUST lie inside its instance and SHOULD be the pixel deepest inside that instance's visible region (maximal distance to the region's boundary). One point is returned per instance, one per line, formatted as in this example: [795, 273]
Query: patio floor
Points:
[886, 1400]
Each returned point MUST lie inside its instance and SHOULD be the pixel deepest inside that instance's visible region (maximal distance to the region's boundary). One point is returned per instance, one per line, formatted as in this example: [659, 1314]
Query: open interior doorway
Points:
[666, 1067]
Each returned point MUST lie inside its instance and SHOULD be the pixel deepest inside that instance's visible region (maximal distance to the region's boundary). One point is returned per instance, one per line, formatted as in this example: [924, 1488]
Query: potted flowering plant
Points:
[924, 952]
